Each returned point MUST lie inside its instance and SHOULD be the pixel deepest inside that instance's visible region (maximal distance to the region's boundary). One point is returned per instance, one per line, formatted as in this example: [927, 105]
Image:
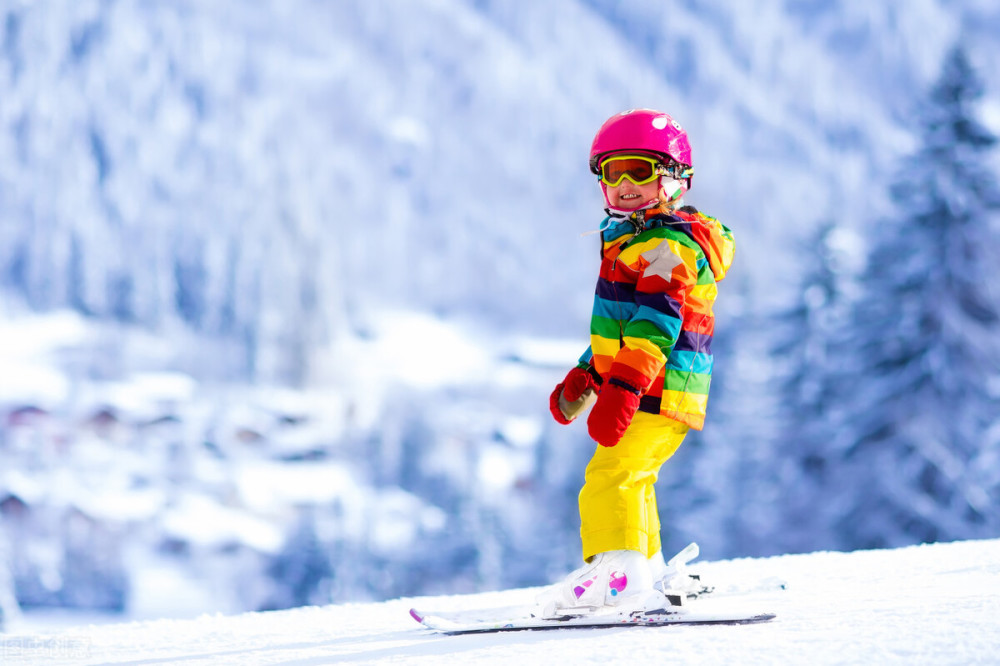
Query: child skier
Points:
[649, 363]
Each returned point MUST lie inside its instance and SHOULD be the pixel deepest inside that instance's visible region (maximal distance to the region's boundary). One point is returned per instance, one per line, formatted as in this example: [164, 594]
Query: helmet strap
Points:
[671, 189]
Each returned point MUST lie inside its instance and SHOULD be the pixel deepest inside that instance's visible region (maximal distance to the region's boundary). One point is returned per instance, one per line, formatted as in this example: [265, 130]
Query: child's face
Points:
[629, 196]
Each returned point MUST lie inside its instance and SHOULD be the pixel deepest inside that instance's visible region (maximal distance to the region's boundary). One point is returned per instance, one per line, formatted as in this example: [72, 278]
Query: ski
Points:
[668, 607]
[520, 618]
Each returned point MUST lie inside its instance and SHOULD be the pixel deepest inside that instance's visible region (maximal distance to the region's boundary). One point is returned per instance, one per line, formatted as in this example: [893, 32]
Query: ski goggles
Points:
[637, 168]
[640, 169]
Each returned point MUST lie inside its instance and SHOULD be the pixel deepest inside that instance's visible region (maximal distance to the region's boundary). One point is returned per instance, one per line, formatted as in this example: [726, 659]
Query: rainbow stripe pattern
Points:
[652, 323]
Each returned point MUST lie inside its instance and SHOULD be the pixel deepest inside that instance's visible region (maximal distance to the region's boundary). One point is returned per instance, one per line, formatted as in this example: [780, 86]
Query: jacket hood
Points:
[714, 238]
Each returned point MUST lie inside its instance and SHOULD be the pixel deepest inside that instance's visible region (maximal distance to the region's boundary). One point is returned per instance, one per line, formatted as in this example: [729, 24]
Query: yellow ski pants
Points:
[618, 502]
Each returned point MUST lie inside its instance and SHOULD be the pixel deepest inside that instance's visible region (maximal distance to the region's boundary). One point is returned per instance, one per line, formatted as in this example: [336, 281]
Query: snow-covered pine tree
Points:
[808, 368]
[918, 389]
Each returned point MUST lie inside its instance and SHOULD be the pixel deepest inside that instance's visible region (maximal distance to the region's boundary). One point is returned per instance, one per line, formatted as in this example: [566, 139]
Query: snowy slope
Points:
[935, 604]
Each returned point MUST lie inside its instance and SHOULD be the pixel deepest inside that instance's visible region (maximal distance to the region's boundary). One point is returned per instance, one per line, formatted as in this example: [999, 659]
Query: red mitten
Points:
[572, 390]
[613, 412]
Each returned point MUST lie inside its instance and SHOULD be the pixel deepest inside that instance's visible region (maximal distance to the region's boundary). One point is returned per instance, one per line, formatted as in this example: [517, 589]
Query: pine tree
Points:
[807, 382]
[918, 390]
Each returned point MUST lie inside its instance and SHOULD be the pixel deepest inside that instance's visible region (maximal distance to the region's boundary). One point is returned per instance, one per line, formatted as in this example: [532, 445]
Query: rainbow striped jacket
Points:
[652, 324]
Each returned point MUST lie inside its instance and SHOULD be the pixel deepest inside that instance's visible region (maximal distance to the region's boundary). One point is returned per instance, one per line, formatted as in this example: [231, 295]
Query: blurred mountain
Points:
[265, 175]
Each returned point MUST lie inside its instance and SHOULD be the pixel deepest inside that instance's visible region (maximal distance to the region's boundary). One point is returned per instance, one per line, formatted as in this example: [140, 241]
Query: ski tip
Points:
[416, 615]
[763, 617]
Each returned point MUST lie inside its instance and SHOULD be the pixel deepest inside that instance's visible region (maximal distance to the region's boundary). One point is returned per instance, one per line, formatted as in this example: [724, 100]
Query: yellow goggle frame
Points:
[640, 169]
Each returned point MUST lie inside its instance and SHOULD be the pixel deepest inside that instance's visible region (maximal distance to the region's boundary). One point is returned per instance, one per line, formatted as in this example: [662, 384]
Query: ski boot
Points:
[616, 579]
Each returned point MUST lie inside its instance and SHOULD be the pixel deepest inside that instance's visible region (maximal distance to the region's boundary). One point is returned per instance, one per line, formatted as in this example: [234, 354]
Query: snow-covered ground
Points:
[933, 604]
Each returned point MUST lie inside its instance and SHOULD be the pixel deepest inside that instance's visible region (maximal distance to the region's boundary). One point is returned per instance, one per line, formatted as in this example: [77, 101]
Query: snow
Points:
[202, 521]
[265, 485]
[930, 604]
[389, 352]
[26, 346]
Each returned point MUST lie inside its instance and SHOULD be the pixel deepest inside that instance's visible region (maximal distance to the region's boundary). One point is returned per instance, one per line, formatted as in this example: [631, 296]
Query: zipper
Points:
[638, 222]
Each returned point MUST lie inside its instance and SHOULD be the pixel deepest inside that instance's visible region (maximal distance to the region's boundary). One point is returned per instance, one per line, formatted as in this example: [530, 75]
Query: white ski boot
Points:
[615, 579]
[672, 577]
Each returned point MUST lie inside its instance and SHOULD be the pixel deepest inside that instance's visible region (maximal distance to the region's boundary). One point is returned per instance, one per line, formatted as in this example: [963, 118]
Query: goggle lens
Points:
[640, 170]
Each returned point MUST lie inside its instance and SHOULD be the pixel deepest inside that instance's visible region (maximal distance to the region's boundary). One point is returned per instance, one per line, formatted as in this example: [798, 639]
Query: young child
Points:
[650, 360]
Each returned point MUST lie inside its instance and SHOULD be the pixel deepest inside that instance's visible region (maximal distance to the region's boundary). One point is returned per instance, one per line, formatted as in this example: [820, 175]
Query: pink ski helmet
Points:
[645, 131]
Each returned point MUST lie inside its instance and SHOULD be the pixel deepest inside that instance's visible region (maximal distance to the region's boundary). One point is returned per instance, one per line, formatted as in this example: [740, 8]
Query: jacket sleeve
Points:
[668, 270]
[586, 362]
